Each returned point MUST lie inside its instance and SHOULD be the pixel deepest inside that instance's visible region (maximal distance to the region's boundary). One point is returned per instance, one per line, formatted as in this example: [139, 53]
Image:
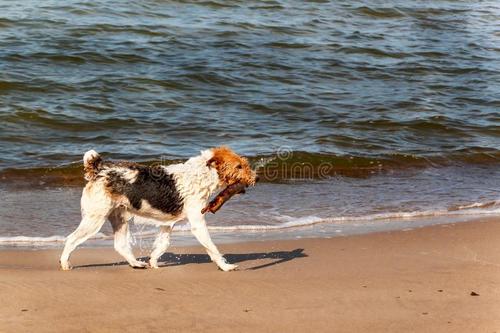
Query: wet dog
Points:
[167, 194]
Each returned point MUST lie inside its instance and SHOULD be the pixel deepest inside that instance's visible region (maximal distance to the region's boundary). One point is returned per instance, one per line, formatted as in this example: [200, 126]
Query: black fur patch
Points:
[153, 184]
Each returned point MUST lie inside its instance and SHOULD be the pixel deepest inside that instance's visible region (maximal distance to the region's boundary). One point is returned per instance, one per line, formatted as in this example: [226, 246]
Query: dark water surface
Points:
[372, 90]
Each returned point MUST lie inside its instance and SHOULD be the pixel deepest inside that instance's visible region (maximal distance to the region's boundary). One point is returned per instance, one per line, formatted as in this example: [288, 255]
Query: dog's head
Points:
[231, 167]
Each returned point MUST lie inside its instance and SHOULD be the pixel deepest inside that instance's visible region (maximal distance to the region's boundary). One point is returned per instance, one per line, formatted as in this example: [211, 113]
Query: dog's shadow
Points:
[171, 259]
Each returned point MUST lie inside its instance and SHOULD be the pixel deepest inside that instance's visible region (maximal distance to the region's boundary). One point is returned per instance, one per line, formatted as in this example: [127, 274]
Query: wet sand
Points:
[417, 280]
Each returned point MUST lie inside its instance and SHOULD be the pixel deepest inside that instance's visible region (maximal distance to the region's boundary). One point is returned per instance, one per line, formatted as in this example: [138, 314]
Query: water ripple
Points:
[159, 78]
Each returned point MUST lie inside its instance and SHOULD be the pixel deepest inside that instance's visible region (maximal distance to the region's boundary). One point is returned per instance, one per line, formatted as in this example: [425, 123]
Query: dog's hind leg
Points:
[89, 226]
[161, 245]
[96, 206]
[122, 238]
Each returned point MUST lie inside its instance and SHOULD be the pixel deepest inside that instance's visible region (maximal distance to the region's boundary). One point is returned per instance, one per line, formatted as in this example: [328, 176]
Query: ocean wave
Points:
[380, 13]
[33, 241]
[325, 76]
[476, 209]
[282, 166]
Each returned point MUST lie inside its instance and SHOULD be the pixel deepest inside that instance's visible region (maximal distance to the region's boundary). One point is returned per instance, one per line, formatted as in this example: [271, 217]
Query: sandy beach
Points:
[435, 279]
[373, 130]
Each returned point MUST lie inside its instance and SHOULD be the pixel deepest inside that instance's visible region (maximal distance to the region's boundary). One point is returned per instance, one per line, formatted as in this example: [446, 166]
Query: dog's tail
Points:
[91, 164]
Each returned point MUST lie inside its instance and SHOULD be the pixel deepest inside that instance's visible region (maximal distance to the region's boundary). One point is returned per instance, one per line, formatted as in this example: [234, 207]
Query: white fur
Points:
[90, 155]
[195, 182]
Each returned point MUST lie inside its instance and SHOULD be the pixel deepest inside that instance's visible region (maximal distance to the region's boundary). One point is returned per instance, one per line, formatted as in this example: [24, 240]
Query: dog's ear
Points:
[212, 161]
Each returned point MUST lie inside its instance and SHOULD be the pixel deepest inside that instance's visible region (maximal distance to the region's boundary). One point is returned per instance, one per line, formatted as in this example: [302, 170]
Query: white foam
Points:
[477, 205]
[28, 240]
[477, 208]
[33, 240]
[466, 210]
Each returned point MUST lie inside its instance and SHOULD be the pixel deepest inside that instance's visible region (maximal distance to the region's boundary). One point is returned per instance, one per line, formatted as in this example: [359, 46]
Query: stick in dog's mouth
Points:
[226, 194]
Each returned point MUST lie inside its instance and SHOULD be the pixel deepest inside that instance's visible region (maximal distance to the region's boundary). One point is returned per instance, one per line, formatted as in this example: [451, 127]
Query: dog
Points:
[117, 191]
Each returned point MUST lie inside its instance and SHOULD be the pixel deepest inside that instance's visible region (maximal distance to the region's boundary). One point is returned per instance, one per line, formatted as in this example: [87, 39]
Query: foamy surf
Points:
[476, 209]
[28, 240]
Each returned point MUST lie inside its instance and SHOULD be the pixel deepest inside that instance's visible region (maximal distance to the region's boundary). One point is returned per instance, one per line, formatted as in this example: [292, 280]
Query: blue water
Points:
[399, 101]
[167, 78]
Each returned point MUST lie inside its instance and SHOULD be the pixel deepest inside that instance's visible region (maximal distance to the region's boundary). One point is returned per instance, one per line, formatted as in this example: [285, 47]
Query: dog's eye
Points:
[239, 166]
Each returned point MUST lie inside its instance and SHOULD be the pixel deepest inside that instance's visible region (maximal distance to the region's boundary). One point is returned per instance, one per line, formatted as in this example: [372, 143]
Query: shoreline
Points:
[341, 205]
[315, 229]
[413, 280]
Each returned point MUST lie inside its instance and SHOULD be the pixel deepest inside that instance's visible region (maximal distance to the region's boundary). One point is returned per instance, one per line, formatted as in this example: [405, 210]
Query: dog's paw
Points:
[153, 263]
[228, 267]
[139, 264]
[65, 266]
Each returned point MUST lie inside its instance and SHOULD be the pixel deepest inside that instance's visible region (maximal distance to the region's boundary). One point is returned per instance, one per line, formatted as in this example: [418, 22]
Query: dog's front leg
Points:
[161, 245]
[200, 231]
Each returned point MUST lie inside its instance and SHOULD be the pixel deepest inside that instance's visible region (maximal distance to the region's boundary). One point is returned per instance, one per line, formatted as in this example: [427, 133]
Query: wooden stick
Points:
[222, 197]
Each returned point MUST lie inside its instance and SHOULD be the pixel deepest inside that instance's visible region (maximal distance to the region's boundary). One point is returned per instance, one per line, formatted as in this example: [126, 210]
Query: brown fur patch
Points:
[231, 167]
[91, 167]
